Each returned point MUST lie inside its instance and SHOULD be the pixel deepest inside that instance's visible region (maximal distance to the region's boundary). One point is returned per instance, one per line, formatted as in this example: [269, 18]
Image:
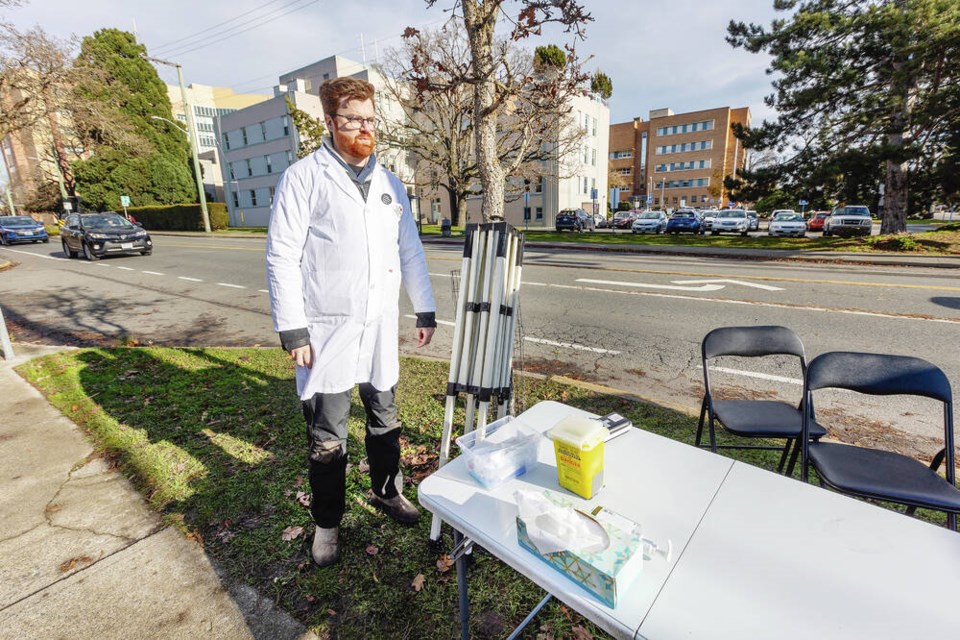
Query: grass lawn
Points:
[214, 439]
[944, 240]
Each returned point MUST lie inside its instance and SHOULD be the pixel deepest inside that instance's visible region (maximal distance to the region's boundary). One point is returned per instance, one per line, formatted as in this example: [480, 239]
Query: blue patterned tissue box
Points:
[607, 573]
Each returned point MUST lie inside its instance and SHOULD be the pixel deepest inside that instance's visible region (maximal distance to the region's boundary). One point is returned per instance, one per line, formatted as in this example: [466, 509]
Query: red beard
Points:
[360, 147]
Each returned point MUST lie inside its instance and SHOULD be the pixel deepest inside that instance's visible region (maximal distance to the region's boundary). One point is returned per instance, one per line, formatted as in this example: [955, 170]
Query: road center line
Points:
[761, 376]
[127, 268]
[569, 345]
[154, 273]
[232, 286]
[189, 279]
[263, 291]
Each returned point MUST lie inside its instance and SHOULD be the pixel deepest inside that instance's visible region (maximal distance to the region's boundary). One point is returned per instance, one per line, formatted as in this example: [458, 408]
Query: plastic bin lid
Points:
[579, 431]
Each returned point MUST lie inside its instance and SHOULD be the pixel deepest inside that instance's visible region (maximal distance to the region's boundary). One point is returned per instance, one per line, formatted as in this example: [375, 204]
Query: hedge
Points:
[180, 217]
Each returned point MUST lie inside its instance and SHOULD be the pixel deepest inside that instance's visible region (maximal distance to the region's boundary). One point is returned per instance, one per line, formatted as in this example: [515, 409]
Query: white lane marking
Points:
[154, 273]
[703, 287]
[773, 305]
[126, 268]
[99, 264]
[761, 376]
[232, 286]
[35, 255]
[189, 279]
[765, 287]
[263, 291]
[569, 345]
[443, 322]
[441, 275]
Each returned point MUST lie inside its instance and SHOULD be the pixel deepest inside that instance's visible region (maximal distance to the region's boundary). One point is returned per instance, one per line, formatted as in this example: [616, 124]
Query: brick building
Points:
[674, 160]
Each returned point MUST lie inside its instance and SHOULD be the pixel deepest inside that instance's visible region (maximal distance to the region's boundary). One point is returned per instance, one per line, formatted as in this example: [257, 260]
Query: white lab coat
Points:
[335, 264]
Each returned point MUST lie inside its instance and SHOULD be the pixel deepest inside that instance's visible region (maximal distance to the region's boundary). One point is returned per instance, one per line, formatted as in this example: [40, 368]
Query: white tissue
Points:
[552, 528]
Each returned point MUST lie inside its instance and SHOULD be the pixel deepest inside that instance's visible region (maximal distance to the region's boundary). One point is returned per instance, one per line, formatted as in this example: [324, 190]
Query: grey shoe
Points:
[325, 549]
[397, 507]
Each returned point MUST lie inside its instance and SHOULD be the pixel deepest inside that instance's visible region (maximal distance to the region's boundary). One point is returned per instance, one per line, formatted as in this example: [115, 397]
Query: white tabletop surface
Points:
[777, 558]
[665, 485]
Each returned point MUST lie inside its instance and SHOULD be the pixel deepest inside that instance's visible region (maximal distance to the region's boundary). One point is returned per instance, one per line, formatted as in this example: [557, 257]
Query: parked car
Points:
[708, 215]
[623, 219]
[685, 220]
[732, 221]
[848, 221]
[754, 220]
[817, 218]
[21, 229]
[98, 234]
[575, 220]
[788, 224]
[650, 222]
[781, 212]
[600, 221]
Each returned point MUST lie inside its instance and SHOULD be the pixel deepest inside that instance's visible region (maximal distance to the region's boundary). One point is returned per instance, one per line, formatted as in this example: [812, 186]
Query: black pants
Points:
[326, 415]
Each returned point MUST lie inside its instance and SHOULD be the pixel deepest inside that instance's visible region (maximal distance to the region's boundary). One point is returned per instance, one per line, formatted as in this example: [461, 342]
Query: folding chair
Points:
[875, 473]
[753, 418]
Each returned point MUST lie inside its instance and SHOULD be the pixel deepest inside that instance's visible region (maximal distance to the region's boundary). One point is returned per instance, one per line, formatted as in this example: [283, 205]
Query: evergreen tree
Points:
[860, 82]
[151, 163]
[310, 130]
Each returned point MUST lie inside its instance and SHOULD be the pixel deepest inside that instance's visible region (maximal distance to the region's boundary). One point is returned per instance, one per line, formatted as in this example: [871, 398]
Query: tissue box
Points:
[508, 449]
[607, 573]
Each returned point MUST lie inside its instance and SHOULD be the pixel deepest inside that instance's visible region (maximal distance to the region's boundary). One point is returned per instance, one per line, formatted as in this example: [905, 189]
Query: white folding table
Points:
[755, 555]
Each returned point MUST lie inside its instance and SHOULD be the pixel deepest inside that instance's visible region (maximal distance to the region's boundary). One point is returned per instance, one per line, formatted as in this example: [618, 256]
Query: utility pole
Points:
[191, 135]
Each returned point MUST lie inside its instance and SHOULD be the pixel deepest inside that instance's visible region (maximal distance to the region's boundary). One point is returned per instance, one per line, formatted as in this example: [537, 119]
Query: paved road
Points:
[629, 321]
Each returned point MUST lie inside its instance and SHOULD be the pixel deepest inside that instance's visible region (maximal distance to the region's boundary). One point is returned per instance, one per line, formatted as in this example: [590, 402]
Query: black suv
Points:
[99, 234]
[575, 220]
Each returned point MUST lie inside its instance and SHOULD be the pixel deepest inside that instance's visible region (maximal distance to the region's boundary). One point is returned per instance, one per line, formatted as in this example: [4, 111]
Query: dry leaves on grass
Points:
[579, 633]
[372, 549]
[417, 583]
[303, 498]
[291, 533]
[444, 563]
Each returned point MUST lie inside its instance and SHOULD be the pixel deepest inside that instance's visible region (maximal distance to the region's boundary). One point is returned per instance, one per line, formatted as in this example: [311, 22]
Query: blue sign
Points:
[526, 198]
[649, 199]
[803, 203]
[593, 194]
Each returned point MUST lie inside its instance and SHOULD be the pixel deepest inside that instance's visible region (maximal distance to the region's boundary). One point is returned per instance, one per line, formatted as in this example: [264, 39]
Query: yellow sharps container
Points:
[578, 445]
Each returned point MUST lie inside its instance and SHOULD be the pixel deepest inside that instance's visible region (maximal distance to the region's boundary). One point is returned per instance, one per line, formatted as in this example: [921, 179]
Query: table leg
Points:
[523, 625]
[461, 564]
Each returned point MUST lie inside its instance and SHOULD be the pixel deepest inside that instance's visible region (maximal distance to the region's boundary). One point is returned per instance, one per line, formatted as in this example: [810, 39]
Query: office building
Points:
[675, 160]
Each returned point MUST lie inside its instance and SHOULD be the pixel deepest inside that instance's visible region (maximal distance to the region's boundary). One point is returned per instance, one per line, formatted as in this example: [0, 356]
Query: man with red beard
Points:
[341, 240]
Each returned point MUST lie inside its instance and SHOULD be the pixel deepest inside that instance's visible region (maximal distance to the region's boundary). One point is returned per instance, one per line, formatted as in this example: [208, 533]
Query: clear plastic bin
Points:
[507, 451]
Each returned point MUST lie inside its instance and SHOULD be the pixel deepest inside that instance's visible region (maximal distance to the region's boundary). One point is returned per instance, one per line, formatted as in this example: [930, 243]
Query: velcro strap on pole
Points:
[505, 310]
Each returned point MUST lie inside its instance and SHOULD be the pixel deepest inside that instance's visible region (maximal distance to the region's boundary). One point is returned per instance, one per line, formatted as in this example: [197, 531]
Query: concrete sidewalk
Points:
[81, 554]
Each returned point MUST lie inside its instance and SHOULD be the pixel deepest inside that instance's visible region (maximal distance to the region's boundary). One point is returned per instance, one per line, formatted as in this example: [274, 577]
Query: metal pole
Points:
[193, 148]
[5, 338]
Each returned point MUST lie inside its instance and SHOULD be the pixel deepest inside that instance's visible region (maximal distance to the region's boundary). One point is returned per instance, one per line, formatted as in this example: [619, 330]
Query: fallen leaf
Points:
[69, 565]
[291, 533]
[363, 466]
[303, 498]
[310, 598]
[579, 633]
[444, 563]
[331, 612]
[417, 583]
[298, 482]
[373, 549]
[565, 611]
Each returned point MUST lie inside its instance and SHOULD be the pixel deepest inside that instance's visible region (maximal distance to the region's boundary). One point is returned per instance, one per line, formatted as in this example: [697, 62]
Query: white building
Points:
[571, 183]
[208, 103]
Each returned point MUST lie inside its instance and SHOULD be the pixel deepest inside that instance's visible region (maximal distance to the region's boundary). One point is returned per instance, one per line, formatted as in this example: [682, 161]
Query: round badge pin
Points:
[386, 199]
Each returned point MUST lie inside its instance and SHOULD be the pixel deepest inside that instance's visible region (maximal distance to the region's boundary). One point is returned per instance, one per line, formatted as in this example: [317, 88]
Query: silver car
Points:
[650, 222]
[731, 221]
[849, 221]
[788, 224]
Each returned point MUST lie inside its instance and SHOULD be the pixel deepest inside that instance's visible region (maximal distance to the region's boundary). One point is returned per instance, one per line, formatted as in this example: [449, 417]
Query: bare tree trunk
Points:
[895, 189]
[479, 18]
[453, 200]
[903, 85]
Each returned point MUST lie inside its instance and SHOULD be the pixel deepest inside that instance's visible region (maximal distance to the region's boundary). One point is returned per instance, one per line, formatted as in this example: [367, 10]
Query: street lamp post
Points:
[192, 138]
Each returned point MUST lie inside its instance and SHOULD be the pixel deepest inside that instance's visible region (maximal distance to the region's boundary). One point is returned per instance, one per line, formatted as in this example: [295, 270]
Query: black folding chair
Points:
[771, 419]
[875, 473]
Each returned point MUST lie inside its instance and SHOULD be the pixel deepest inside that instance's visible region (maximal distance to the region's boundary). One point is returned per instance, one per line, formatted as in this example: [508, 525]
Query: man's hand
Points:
[424, 335]
[303, 356]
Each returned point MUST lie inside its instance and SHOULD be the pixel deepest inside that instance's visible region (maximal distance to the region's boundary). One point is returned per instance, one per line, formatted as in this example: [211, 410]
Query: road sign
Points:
[526, 198]
[803, 203]
[649, 200]
[593, 194]
[124, 201]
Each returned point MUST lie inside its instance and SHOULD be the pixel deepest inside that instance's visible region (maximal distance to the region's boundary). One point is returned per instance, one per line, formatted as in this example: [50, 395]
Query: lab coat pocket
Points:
[327, 293]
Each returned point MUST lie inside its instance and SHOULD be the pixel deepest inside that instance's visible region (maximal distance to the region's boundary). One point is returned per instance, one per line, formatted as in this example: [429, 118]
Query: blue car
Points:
[21, 229]
[685, 221]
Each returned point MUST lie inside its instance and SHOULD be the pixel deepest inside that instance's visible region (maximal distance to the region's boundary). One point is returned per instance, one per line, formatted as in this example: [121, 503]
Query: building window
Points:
[236, 200]
[272, 193]
[539, 187]
[243, 134]
[269, 167]
[249, 168]
[230, 167]
[593, 157]
[263, 130]
[253, 197]
[594, 126]
[526, 213]
[693, 199]
[286, 126]
[226, 141]
[539, 213]
[620, 155]
[586, 190]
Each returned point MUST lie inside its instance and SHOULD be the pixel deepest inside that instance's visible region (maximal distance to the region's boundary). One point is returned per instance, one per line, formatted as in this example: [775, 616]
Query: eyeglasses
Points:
[356, 122]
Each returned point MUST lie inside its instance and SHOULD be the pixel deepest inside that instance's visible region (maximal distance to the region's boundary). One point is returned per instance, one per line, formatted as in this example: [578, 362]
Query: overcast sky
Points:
[663, 54]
